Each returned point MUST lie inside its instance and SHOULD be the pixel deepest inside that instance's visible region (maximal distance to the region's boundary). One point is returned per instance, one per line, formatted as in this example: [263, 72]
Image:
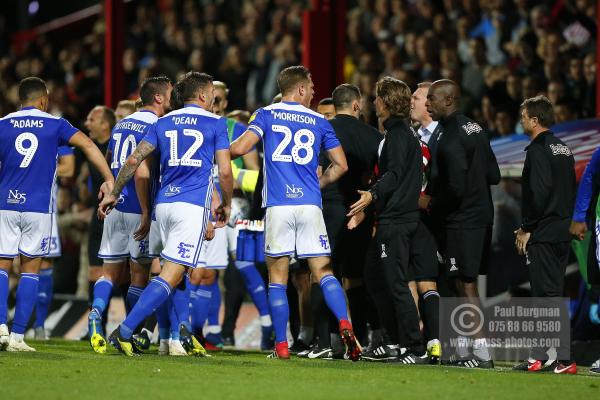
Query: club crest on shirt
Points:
[324, 241]
[472, 127]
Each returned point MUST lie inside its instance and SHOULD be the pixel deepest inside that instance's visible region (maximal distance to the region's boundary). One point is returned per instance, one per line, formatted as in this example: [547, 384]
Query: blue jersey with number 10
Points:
[125, 137]
[29, 141]
[292, 136]
[186, 141]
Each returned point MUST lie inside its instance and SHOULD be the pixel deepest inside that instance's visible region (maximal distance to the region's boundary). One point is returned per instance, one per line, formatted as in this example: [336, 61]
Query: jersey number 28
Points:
[298, 145]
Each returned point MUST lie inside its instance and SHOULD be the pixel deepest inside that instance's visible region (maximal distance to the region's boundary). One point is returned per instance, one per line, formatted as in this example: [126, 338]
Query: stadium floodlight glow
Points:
[34, 7]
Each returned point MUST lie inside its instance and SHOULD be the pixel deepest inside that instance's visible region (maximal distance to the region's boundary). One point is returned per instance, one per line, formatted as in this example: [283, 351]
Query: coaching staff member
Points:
[395, 197]
[548, 197]
[460, 201]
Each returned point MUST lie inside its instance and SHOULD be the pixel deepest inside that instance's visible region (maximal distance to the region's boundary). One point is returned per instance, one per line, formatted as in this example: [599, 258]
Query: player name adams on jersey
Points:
[29, 142]
[186, 141]
[293, 135]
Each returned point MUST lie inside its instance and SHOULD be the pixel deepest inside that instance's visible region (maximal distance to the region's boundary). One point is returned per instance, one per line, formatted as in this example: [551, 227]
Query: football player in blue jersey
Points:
[65, 168]
[187, 141]
[29, 142]
[293, 135]
[121, 239]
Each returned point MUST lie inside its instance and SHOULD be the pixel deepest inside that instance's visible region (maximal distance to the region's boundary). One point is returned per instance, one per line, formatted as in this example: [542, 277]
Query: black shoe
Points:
[189, 342]
[412, 358]
[228, 341]
[298, 347]
[382, 353]
[142, 340]
[469, 362]
[125, 346]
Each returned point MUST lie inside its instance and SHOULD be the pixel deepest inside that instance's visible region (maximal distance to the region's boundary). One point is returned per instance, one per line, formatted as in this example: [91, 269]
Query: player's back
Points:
[29, 141]
[293, 136]
[186, 140]
[124, 138]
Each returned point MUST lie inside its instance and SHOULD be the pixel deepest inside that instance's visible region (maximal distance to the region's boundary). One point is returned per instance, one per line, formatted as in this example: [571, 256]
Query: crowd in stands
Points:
[501, 52]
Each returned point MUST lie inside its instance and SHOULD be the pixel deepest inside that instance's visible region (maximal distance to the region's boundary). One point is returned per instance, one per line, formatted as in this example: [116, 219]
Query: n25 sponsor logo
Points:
[16, 197]
[293, 192]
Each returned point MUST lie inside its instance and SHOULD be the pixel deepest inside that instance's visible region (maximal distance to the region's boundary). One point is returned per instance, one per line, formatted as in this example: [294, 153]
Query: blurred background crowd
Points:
[500, 51]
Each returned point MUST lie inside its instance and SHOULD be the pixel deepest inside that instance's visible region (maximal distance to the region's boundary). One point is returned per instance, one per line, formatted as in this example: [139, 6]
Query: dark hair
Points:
[541, 108]
[108, 116]
[32, 88]
[395, 94]
[290, 77]
[344, 95]
[189, 85]
[153, 86]
[327, 101]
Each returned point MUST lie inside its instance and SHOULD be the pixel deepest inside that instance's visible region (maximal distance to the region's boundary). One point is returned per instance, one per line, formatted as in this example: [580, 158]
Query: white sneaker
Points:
[596, 363]
[40, 333]
[4, 335]
[176, 349]
[163, 347]
[18, 345]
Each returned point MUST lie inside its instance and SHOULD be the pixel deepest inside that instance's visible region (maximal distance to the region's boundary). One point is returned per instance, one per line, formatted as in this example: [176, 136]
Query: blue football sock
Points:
[157, 291]
[181, 303]
[162, 319]
[200, 302]
[255, 286]
[3, 296]
[102, 293]
[44, 297]
[334, 297]
[26, 296]
[215, 303]
[173, 319]
[133, 295]
[280, 311]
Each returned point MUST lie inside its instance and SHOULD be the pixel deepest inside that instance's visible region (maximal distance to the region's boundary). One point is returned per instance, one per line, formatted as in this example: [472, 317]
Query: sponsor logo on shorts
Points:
[44, 244]
[16, 197]
[172, 190]
[185, 249]
[383, 253]
[144, 246]
[293, 192]
[323, 240]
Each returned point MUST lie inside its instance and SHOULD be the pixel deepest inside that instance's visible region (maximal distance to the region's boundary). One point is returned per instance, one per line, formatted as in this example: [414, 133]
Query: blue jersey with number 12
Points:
[186, 140]
[125, 137]
[29, 141]
[292, 136]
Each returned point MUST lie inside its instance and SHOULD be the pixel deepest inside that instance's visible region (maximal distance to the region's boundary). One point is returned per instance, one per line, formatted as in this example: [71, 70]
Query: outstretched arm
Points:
[243, 144]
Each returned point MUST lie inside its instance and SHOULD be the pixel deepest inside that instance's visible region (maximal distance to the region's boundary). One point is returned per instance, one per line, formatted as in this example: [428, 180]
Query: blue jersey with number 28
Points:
[292, 136]
[186, 141]
[29, 142]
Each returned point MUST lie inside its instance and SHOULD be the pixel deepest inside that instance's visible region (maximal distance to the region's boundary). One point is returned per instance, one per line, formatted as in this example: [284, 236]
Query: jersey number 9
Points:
[27, 152]
[299, 145]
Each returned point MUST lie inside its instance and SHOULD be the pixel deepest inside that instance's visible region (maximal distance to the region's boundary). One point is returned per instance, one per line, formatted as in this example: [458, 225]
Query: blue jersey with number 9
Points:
[186, 141]
[29, 141]
[292, 136]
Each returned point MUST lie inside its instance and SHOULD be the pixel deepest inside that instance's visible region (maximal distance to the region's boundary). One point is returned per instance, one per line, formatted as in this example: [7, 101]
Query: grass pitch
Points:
[70, 370]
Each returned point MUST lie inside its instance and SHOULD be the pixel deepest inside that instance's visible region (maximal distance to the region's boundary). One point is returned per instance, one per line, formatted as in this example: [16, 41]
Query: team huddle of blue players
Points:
[161, 211]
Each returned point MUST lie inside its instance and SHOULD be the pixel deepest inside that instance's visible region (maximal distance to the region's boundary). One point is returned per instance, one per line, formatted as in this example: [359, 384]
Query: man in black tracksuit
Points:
[460, 201]
[549, 190]
[395, 198]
